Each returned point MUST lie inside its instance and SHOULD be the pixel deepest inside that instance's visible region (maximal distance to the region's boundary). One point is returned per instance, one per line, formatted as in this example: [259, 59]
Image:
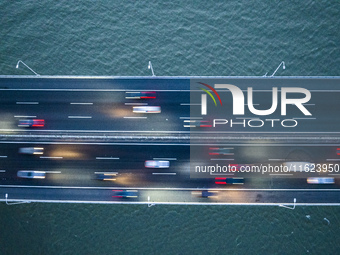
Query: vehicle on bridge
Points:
[105, 176]
[157, 164]
[146, 109]
[30, 174]
[32, 123]
[225, 180]
[141, 95]
[320, 180]
[125, 193]
[31, 150]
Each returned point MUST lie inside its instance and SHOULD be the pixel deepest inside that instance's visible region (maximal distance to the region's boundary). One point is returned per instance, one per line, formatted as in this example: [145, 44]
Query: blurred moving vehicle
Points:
[157, 164]
[31, 123]
[31, 150]
[224, 180]
[146, 109]
[30, 174]
[125, 193]
[141, 95]
[320, 180]
[205, 193]
[105, 176]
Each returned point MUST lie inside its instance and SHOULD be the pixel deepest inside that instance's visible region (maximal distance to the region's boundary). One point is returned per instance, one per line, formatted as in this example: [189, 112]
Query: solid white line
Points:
[276, 159]
[189, 126]
[136, 103]
[197, 118]
[53, 172]
[164, 173]
[135, 117]
[109, 173]
[27, 102]
[106, 158]
[83, 103]
[20, 116]
[165, 158]
[3, 156]
[2, 171]
[79, 117]
[51, 157]
[333, 159]
[304, 118]
[219, 174]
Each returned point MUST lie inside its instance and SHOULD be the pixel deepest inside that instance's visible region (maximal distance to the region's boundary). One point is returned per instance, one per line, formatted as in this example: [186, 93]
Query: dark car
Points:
[224, 180]
[105, 176]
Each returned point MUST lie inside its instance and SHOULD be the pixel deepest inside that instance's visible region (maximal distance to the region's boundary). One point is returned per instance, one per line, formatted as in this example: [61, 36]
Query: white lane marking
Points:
[53, 172]
[276, 159]
[108, 173]
[2, 171]
[304, 118]
[164, 158]
[51, 157]
[83, 103]
[80, 117]
[106, 158]
[333, 159]
[197, 118]
[136, 103]
[189, 126]
[219, 174]
[27, 102]
[221, 159]
[135, 117]
[333, 174]
[3, 156]
[164, 173]
[280, 174]
[189, 104]
[21, 116]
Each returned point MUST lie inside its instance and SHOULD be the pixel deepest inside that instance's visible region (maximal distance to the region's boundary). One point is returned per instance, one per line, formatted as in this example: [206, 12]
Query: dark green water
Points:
[180, 38]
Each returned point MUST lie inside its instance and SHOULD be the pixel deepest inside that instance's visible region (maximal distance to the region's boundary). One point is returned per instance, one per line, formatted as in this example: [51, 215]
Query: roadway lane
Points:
[100, 105]
[75, 165]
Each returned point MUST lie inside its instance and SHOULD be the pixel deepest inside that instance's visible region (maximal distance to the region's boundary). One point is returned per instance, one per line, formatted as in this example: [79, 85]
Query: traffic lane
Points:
[91, 111]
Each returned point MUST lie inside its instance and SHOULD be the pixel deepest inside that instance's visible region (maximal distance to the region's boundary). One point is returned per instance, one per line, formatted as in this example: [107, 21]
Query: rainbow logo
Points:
[209, 93]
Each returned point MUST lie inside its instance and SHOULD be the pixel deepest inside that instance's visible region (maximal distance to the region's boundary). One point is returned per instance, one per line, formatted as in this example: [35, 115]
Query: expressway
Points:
[100, 107]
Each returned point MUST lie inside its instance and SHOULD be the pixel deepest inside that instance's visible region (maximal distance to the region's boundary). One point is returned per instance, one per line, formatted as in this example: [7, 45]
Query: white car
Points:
[157, 164]
[31, 150]
[320, 180]
[146, 109]
[30, 174]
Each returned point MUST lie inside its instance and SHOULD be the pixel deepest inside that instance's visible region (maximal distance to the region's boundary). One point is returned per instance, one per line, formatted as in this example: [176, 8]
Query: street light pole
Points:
[291, 208]
[150, 67]
[16, 203]
[17, 66]
[284, 67]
